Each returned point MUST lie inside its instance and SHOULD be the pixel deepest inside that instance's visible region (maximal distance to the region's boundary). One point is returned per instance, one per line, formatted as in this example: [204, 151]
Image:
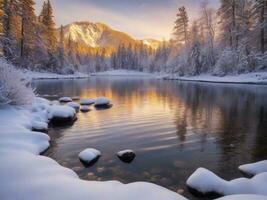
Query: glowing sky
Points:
[140, 18]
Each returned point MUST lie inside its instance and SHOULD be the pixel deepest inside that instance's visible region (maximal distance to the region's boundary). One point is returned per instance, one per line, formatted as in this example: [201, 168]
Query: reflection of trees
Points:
[231, 112]
[260, 148]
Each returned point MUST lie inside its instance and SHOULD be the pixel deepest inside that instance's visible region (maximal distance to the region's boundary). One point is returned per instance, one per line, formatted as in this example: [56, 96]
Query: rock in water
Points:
[89, 156]
[74, 105]
[87, 102]
[126, 156]
[102, 103]
[65, 100]
[61, 115]
[75, 98]
[85, 109]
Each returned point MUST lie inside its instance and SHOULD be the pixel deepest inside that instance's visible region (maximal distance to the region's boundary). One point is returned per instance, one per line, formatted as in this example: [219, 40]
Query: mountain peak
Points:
[100, 35]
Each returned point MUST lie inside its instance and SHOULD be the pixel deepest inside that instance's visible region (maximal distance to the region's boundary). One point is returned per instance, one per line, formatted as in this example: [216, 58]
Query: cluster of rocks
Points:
[90, 156]
[83, 105]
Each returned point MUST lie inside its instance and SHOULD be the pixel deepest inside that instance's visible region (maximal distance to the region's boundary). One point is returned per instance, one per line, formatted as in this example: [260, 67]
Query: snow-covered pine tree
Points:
[228, 13]
[207, 34]
[1, 26]
[28, 20]
[10, 29]
[260, 16]
[50, 28]
[61, 50]
[49, 34]
[181, 27]
[194, 59]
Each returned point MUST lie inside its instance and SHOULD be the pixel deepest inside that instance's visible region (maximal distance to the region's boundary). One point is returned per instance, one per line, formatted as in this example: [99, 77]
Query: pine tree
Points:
[49, 27]
[181, 27]
[195, 62]
[228, 13]
[260, 15]
[1, 26]
[61, 48]
[10, 29]
[43, 11]
[28, 20]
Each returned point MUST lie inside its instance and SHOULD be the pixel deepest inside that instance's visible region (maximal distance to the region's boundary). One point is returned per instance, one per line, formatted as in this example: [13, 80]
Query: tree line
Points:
[232, 39]
[27, 40]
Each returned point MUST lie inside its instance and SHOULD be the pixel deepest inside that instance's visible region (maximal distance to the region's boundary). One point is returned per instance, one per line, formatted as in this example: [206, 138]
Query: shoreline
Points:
[256, 78]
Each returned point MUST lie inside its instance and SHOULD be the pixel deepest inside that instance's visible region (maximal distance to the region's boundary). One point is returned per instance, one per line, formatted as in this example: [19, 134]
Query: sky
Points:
[139, 18]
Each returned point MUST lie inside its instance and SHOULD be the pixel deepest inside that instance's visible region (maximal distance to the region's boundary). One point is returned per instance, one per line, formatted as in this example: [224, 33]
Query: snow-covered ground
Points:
[206, 182]
[250, 78]
[122, 72]
[26, 175]
[46, 75]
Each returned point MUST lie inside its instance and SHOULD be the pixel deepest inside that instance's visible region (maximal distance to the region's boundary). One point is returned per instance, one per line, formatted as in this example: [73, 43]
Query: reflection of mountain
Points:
[90, 36]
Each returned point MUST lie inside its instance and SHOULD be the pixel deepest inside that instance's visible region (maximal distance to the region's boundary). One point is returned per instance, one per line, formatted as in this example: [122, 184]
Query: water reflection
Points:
[174, 127]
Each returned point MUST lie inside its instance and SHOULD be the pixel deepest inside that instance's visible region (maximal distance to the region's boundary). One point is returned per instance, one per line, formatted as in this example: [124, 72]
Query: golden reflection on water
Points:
[173, 127]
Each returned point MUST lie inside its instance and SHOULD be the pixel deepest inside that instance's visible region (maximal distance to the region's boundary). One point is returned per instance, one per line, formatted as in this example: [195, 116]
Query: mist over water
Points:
[174, 128]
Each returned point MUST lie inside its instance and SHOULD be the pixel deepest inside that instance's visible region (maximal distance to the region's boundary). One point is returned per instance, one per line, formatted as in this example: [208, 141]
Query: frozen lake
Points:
[174, 128]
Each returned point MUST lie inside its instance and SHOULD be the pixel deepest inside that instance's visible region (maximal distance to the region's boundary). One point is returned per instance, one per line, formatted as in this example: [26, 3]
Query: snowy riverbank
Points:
[122, 72]
[27, 175]
[259, 78]
[47, 75]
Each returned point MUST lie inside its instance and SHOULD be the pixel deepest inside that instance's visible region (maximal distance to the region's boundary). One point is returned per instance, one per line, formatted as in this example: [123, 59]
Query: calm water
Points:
[173, 127]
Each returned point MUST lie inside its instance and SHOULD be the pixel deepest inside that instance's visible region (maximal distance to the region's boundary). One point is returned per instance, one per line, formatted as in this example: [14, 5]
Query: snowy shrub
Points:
[226, 63]
[14, 88]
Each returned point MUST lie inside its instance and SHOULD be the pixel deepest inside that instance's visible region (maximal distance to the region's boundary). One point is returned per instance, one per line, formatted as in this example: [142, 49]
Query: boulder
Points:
[87, 102]
[84, 109]
[65, 100]
[126, 156]
[89, 156]
[102, 103]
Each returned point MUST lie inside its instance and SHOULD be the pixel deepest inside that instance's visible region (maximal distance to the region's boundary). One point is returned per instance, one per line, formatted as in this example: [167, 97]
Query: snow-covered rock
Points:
[84, 109]
[74, 105]
[58, 114]
[89, 156]
[39, 126]
[102, 102]
[65, 99]
[205, 182]
[126, 155]
[87, 102]
[254, 168]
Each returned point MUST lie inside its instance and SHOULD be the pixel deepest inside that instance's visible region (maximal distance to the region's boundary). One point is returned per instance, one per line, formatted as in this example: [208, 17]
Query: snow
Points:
[123, 72]
[88, 155]
[213, 183]
[39, 126]
[73, 105]
[254, 168]
[65, 99]
[27, 175]
[121, 153]
[61, 111]
[85, 109]
[250, 78]
[46, 75]
[87, 101]
[243, 197]
[102, 101]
